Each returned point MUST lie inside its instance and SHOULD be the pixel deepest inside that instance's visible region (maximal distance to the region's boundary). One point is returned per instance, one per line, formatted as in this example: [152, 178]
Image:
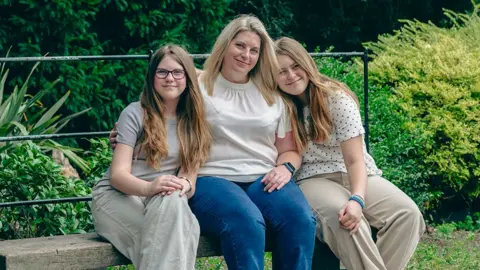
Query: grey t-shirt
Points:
[130, 130]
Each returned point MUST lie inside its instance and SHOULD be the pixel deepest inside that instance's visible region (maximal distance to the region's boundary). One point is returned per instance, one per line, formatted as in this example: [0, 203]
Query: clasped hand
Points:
[276, 178]
[166, 185]
[350, 216]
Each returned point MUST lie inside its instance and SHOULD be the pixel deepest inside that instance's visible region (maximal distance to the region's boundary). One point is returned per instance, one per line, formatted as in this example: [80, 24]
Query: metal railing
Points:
[363, 55]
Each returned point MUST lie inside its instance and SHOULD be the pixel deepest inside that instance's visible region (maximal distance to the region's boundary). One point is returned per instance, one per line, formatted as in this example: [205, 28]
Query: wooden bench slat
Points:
[88, 251]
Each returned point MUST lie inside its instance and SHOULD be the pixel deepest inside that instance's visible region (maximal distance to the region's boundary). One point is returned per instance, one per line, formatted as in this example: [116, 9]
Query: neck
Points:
[171, 108]
[234, 77]
[303, 98]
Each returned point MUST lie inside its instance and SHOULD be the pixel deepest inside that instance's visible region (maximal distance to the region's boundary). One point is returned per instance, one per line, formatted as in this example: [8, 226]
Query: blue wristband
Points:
[358, 199]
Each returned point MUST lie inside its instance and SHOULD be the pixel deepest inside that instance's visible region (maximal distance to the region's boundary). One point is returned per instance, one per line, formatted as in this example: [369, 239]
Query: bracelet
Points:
[358, 199]
[189, 183]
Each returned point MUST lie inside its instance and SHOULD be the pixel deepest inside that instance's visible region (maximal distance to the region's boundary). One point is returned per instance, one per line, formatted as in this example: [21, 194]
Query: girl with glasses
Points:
[141, 204]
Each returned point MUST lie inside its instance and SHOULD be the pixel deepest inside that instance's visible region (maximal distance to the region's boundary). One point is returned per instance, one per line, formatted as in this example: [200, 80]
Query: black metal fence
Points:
[363, 55]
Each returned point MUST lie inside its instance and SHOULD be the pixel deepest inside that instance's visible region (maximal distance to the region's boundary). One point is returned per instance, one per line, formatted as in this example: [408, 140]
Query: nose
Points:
[290, 74]
[245, 54]
[169, 77]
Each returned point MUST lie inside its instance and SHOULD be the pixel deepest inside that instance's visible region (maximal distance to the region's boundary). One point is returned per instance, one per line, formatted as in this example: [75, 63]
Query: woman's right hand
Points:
[112, 137]
[164, 184]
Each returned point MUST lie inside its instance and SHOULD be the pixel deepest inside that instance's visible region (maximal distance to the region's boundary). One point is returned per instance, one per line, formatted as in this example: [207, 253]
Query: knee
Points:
[173, 203]
[245, 224]
[302, 220]
[327, 213]
[412, 216]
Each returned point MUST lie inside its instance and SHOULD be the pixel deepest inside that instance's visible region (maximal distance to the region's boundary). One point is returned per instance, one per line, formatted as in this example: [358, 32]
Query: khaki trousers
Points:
[154, 233]
[397, 218]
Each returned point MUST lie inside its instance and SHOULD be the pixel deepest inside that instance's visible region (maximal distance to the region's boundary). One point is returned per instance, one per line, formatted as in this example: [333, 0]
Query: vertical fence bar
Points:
[365, 97]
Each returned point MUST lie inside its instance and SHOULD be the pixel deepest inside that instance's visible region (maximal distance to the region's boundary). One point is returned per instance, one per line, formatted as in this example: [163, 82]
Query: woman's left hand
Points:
[276, 178]
[350, 216]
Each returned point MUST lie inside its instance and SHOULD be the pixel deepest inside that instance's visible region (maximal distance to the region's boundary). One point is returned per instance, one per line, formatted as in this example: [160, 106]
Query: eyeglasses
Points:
[176, 73]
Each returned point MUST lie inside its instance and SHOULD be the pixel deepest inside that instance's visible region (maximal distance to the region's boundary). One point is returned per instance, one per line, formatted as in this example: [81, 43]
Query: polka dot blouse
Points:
[327, 157]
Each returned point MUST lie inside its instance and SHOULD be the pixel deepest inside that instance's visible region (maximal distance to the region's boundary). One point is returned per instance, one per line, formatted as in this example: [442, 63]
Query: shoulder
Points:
[134, 107]
[340, 99]
[133, 110]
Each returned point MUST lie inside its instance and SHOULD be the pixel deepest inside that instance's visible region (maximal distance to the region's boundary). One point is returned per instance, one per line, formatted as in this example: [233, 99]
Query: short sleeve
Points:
[284, 124]
[129, 125]
[345, 116]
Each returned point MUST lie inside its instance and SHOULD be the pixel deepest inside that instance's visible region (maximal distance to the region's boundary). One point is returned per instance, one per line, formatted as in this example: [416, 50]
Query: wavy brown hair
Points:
[318, 90]
[192, 129]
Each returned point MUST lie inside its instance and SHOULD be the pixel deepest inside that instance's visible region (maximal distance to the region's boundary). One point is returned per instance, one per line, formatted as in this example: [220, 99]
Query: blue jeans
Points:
[239, 213]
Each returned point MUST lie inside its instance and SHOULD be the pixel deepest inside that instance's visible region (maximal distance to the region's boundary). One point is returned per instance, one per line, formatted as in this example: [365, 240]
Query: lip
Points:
[242, 62]
[293, 82]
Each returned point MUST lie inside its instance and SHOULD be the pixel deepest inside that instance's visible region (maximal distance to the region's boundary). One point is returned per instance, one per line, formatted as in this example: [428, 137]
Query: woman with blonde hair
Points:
[141, 204]
[338, 177]
[244, 188]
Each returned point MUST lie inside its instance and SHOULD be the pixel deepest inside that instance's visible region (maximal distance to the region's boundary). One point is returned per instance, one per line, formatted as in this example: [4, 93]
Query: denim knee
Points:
[247, 227]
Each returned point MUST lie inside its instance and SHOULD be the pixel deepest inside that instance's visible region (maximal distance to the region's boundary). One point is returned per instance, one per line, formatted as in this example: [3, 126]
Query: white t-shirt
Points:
[243, 127]
[327, 157]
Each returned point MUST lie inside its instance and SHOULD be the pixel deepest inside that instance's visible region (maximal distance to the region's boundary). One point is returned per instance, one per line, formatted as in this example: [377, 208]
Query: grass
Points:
[447, 248]
[442, 248]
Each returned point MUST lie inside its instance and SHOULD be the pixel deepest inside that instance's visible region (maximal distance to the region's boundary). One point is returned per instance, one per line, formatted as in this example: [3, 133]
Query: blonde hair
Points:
[264, 72]
[193, 132]
[318, 90]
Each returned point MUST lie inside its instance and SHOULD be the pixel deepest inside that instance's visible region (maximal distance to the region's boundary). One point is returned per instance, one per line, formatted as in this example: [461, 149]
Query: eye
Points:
[178, 72]
[282, 72]
[162, 72]
[240, 45]
[254, 51]
[296, 66]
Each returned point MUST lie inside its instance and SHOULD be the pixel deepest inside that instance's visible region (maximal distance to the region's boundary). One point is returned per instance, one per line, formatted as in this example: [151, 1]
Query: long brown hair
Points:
[319, 88]
[192, 129]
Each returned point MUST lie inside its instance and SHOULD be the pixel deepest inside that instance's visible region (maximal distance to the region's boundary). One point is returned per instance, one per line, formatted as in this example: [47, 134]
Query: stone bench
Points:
[88, 251]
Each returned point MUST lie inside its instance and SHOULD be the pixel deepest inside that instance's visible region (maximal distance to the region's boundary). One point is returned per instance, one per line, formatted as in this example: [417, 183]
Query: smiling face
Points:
[292, 79]
[171, 86]
[242, 54]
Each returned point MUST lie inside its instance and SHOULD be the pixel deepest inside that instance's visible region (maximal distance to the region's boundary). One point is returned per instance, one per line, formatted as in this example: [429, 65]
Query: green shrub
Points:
[73, 28]
[394, 149]
[98, 158]
[28, 174]
[23, 114]
[435, 75]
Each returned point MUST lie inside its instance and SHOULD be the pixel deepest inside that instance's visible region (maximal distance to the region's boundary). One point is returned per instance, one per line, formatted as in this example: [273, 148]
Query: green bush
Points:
[98, 158]
[24, 114]
[28, 174]
[394, 149]
[435, 75]
[111, 27]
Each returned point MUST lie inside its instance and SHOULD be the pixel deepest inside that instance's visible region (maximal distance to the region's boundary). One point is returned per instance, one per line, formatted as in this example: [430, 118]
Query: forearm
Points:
[290, 156]
[357, 175]
[128, 184]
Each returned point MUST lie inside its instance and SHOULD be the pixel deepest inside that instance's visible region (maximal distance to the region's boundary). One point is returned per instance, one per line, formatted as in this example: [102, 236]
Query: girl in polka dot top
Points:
[338, 177]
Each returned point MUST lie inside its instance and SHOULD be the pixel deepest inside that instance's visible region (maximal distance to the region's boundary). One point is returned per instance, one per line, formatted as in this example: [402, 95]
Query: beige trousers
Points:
[397, 218]
[154, 233]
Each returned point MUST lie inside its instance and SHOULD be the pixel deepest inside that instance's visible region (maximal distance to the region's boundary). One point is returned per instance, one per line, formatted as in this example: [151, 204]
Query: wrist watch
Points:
[289, 167]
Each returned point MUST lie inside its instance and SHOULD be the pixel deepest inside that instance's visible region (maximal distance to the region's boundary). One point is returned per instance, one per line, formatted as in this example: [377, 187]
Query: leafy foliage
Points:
[69, 27]
[98, 158]
[435, 77]
[394, 149]
[24, 115]
[26, 173]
